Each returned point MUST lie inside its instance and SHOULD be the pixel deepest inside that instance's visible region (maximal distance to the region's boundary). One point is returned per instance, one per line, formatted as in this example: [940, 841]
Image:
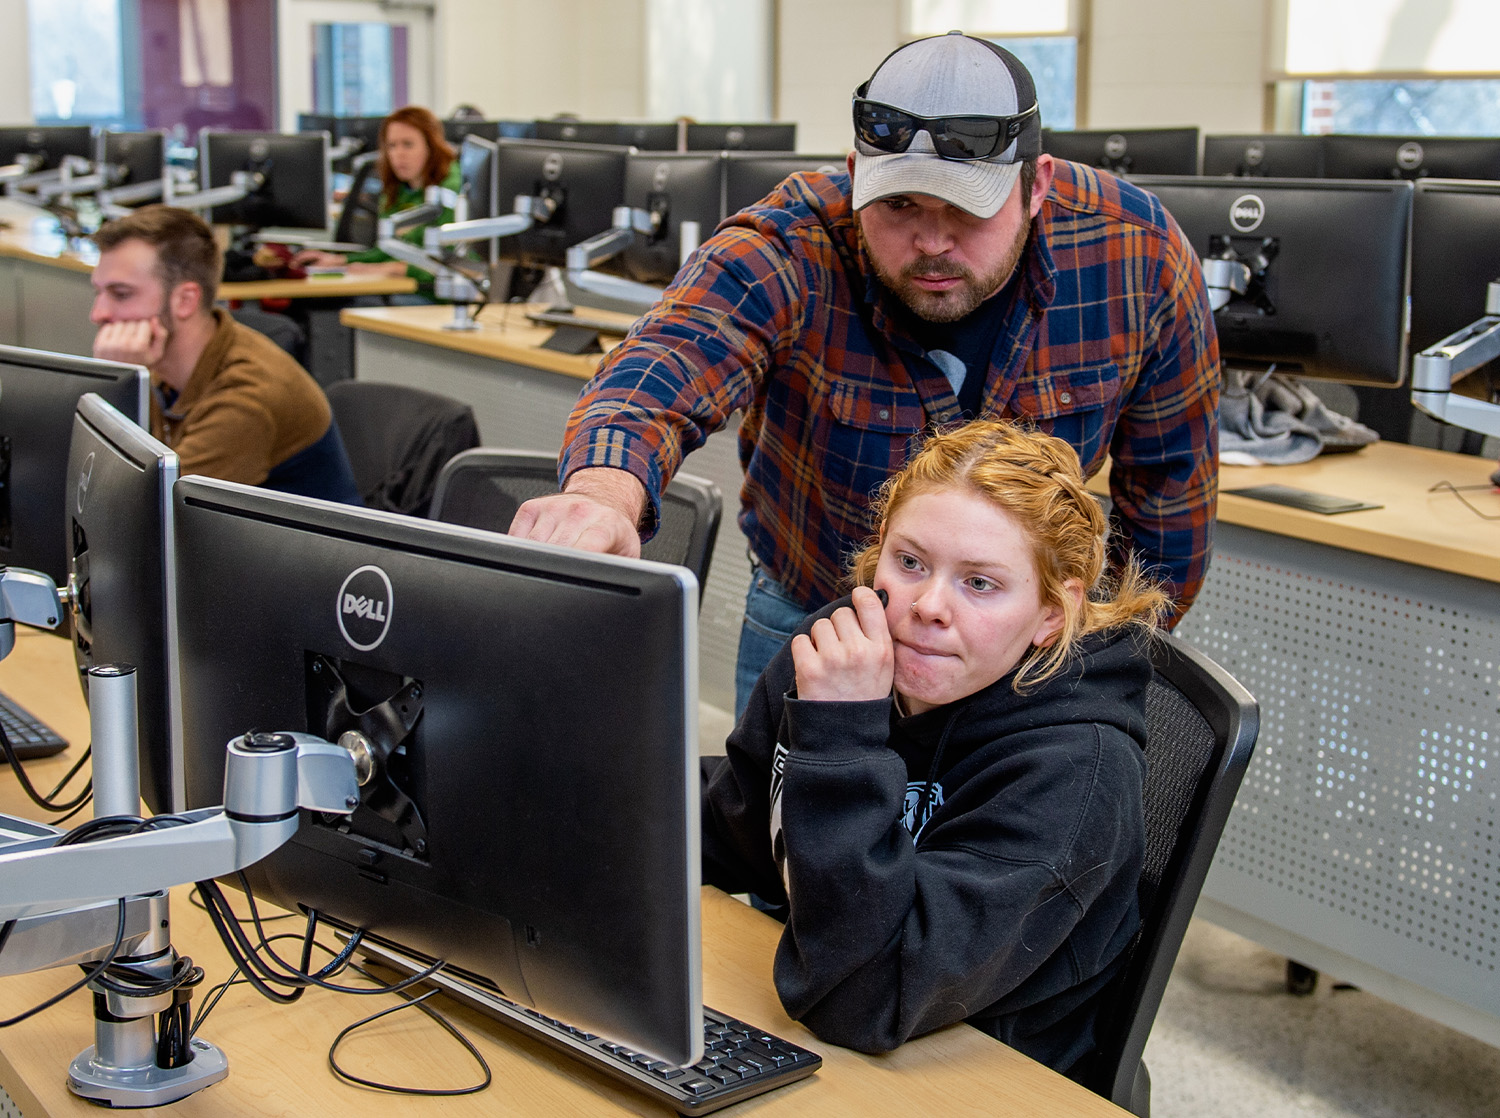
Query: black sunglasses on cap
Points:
[887, 128]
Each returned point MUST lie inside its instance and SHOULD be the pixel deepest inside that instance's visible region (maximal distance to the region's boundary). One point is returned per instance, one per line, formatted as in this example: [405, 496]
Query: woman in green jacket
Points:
[413, 156]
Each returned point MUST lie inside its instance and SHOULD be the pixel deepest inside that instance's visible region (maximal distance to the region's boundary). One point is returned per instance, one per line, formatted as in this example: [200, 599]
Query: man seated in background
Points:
[227, 399]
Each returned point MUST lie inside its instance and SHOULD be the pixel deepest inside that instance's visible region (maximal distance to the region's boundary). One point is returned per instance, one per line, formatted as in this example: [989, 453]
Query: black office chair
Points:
[398, 439]
[359, 219]
[483, 489]
[1201, 729]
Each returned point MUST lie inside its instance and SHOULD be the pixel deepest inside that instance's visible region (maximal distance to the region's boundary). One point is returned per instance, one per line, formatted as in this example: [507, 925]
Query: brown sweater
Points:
[247, 408]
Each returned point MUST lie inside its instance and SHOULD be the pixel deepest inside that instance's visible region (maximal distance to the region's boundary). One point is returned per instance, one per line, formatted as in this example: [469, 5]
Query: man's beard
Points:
[956, 302]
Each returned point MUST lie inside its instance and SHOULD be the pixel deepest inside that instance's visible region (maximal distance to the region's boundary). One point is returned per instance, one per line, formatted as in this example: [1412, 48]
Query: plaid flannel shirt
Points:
[1109, 345]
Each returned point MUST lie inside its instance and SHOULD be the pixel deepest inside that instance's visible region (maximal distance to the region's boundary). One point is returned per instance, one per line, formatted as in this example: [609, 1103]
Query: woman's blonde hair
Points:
[1037, 479]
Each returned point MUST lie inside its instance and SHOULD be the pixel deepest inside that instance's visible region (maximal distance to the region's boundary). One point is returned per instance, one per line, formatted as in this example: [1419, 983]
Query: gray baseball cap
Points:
[949, 75]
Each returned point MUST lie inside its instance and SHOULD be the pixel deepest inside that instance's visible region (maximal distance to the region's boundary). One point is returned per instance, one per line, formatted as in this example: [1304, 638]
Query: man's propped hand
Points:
[847, 656]
[598, 511]
[140, 342]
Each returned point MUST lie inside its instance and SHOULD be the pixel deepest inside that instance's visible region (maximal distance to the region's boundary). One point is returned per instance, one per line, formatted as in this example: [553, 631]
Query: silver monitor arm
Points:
[30, 598]
[1437, 368]
[87, 902]
[452, 282]
[241, 185]
[625, 223]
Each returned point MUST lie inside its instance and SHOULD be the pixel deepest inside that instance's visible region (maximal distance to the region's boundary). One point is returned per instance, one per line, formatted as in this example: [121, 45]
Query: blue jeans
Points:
[770, 619]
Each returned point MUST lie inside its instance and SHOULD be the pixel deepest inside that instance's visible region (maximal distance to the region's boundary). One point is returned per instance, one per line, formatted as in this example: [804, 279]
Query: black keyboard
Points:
[739, 1060]
[29, 736]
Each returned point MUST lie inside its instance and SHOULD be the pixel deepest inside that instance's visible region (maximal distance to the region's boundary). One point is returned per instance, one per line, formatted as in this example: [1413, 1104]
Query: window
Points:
[76, 71]
[1391, 67]
[359, 69]
[1043, 34]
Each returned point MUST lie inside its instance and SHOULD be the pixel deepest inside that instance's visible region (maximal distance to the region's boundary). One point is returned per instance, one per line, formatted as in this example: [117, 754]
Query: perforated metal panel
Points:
[1368, 818]
[8, 1107]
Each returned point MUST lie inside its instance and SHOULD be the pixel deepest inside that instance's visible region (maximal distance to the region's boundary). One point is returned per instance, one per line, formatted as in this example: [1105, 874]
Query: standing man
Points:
[227, 399]
[954, 272]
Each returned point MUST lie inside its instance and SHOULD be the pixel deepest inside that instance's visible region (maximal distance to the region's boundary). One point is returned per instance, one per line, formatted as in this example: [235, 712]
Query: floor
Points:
[1230, 1042]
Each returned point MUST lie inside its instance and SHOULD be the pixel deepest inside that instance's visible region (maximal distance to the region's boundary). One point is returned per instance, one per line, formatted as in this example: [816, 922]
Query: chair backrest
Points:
[398, 439]
[359, 219]
[483, 488]
[1201, 729]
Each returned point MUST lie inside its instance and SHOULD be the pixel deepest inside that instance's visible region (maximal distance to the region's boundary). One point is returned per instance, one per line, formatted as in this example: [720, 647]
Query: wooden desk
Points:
[1363, 839]
[277, 1054]
[322, 287]
[521, 395]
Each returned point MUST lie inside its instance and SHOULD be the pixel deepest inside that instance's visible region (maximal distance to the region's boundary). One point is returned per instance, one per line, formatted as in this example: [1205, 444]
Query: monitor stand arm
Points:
[620, 293]
[30, 598]
[1436, 369]
[451, 282]
[67, 904]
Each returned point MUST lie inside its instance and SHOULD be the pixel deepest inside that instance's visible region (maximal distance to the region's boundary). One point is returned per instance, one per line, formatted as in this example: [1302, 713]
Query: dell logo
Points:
[84, 475]
[1115, 146]
[364, 606]
[660, 176]
[552, 166]
[1247, 212]
[1409, 156]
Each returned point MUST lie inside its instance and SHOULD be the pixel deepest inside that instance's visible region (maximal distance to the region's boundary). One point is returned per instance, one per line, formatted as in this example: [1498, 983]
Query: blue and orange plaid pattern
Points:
[1110, 345]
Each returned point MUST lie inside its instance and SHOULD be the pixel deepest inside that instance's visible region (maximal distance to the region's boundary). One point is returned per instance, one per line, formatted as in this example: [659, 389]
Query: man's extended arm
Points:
[1164, 475]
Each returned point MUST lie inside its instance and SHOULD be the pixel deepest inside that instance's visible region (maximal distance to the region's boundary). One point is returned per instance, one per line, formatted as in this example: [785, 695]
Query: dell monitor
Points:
[741, 137]
[578, 131]
[285, 175]
[750, 176]
[661, 136]
[530, 813]
[1321, 267]
[121, 572]
[1128, 151]
[454, 131]
[1411, 157]
[135, 157]
[574, 190]
[1271, 155]
[39, 392]
[477, 166]
[363, 130]
[673, 188]
[48, 143]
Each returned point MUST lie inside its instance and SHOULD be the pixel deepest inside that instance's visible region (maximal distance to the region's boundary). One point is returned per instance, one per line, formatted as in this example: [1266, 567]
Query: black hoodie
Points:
[978, 861]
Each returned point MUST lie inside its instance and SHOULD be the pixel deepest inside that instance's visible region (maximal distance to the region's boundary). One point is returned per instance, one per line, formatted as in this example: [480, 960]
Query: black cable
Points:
[89, 976]
[447, 1026]
[46, 802]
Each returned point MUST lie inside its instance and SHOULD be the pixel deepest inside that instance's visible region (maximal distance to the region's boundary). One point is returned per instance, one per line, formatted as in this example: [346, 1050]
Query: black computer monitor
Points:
[1327, 260]
[1411, 157]
[49, 142]
[477, 166]
[454, 131]
[1128, 151]
[121, 568]
[318, 122]
[1455, 253]
[39, 392]
[579, 186]
[660, 136]
[1268, 155]
[517, 129]
[288, 174]
[750, 176]
[774, 136]
[535, 820]
[138, 157]
[673, 187]
[577, 131]
[363, 130]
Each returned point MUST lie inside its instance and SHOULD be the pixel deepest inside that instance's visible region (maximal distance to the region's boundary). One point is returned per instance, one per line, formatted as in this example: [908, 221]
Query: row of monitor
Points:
[1175, 151]
[668, 135]
[533, 813]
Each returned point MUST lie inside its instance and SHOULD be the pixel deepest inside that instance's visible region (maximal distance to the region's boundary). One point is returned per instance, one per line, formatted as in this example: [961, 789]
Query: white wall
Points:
[1160, 63]
[826, 49]
[15, 75]
[518, 59]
